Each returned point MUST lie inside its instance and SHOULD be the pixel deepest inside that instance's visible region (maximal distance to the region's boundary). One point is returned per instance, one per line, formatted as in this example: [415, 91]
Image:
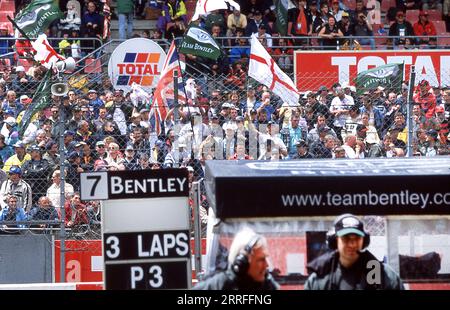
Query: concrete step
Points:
[138, 26]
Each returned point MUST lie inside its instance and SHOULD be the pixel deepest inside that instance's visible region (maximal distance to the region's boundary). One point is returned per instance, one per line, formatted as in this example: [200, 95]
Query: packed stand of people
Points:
[229, 118]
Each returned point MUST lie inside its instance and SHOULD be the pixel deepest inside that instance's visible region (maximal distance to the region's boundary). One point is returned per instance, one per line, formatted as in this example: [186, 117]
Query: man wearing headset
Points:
[350, 266]
[247, 266]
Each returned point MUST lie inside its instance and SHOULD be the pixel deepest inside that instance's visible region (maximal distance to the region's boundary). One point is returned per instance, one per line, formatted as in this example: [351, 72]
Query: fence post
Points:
[412, 79]
[175, 96]
[197, 229]
[62, 192]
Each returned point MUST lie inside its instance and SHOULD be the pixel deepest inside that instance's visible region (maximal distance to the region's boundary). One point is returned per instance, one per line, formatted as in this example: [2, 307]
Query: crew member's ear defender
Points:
[240, 264]
[331, 234]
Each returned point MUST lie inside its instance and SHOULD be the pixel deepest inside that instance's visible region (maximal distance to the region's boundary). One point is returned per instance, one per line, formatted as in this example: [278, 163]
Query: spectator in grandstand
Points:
[254, 24]
[12, 212]
[51, 154]
[353, 150]
[330, 33]
[91, 21]
[239, 52]
[6, 151]
[72, 123]
[18, 187]
[294, 134]
[340, 107]
[321, 19]
[298, 23]
[215, 18]
[426, 98]
[247, 266]
[266, 105]
[87, 158]
[177, 29]
[346, 27]
[18, 158]
[36, 172]
[336, 10]
[235, 21]
[20, 82]
[115, 157]
[9, 130]
[171, 10]
[130, 161]
[422, 145]
[6, 44]
[69, 143]
[44, 211]
[301, 150]
[83, 134]
[347, 266]
[125, 11]
[338, 152]
[283, 54]
[71, 20]
[360, 8]
[94, 102]
[372, 136]
[362, 27]
[73, 170]
[101, 119]
[76, 211]
[237, 77]
[400, 28]
[382, 149]
[10, 103]
[424, 27]
[323, 147]
[313, 134]
[375, 115]
[54, 191]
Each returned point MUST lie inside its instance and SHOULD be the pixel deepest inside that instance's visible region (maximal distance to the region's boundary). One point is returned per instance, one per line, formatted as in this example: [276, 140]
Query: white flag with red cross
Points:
[203, 7]
[264, 69]
[45, 53]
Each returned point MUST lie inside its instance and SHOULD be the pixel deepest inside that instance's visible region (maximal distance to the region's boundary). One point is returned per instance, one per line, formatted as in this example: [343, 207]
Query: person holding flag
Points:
[264, 70]
[163, 99]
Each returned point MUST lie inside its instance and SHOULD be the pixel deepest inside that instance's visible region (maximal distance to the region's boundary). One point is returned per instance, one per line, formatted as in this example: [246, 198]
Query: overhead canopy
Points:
[243, 189]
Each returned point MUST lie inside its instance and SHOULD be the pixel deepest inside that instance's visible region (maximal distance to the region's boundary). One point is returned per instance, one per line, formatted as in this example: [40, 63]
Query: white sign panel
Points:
[136, 60]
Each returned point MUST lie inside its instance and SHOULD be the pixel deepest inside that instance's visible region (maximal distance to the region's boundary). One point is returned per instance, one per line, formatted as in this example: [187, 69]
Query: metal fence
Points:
[238, 119]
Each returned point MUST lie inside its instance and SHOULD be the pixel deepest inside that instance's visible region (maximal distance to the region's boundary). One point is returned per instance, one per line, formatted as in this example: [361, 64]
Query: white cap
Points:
[11, 121]
[24, 97]
[20, 69]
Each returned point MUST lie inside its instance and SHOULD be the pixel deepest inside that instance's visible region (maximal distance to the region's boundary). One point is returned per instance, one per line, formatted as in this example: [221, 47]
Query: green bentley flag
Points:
[388, 76]
[200, 43]
[41, 99]
[35, 18]
[281, 12]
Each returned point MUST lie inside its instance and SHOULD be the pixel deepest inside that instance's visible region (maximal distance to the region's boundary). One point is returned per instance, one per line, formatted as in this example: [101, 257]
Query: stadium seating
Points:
[412, 16]
[440, 27]
[434, 15]
[386, 4]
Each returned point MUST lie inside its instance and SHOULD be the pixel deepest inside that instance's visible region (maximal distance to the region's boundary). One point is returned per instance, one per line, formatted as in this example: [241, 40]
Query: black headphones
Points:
[338, 224]
[240, 264]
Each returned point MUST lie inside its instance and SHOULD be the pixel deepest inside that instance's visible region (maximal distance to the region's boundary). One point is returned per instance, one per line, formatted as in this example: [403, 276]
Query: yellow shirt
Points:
[14, 161]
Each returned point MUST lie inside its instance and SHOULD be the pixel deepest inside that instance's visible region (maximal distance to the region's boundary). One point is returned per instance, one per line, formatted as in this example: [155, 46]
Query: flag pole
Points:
[185, 93]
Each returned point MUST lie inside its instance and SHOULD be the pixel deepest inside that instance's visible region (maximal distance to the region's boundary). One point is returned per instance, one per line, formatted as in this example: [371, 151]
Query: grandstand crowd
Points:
[224, 115]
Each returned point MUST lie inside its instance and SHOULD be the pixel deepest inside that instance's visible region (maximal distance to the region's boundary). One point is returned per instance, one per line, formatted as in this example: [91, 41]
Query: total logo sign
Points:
[136, 60]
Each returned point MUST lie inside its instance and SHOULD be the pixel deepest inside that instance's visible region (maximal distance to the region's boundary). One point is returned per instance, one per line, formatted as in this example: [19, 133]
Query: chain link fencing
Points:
[228, 116]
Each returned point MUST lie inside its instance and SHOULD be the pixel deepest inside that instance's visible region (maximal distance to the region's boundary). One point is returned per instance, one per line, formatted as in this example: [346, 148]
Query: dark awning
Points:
[242, 189]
